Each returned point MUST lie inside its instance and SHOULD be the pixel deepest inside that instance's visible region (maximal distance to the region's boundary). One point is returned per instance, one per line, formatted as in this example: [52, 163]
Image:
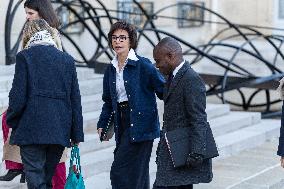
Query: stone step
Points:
[233, 121]
[87, 87]
[271, 177]
[96, 160]
[220, 125]
[102, 180]
[236, 141]
[90, 120]
[231, 124]
[91, 87]
[92, 103]
[216, 110]
[248, 137]
[256, 168]
[92, 142]
[83, 75]
[212, 110]
[7, 70]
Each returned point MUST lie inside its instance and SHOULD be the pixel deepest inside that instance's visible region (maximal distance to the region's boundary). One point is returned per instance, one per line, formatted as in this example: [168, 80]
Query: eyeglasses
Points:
[121, 38]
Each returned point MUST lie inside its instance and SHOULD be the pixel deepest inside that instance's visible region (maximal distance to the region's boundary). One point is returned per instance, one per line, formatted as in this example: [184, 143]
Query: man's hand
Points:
[282, 162]
[194, 160]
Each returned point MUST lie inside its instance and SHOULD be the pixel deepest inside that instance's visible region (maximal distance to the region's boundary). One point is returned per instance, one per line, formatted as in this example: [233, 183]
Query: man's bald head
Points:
[169, 44]
[168, 55]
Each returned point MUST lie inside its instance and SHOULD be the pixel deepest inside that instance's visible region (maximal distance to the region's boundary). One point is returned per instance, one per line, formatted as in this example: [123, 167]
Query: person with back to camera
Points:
[35, 9]
[129, 87]
[44, 110]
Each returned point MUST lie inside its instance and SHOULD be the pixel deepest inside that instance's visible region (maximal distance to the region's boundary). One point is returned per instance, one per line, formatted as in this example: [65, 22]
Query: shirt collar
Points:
[131, 55]
[178, 68]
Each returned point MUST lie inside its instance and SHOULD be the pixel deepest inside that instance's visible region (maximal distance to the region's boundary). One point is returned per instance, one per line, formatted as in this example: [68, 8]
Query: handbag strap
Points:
[75, 157]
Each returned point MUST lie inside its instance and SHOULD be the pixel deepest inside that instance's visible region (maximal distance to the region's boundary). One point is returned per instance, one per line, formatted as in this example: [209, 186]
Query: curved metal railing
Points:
[223, 51]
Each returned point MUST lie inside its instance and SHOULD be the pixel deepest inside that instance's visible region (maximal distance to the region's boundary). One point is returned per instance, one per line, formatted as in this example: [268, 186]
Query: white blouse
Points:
[120, 88]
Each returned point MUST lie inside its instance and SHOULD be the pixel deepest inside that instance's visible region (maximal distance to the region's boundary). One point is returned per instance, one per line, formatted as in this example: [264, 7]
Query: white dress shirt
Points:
[178, 68]
[120, 88]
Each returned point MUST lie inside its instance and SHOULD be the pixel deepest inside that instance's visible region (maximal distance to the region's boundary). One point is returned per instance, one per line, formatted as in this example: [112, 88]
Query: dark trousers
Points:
[130, 168]
[174, 187]
[39, 164]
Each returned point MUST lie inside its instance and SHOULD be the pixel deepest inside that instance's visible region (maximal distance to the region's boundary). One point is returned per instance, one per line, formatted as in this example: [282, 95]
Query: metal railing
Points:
[234, 75]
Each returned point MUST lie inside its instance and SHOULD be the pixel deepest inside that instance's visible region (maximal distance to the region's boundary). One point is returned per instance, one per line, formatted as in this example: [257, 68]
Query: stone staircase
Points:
[233, 131]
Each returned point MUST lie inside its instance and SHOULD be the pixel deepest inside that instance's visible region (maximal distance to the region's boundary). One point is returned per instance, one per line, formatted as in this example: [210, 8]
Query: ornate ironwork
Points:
[66, 17]
[233, 41]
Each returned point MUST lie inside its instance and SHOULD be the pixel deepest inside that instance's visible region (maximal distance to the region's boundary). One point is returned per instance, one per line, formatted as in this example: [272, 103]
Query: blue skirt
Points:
[130, 168]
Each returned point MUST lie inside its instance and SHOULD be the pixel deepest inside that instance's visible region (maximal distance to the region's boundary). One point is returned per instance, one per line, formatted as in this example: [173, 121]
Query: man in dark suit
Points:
[184, 107]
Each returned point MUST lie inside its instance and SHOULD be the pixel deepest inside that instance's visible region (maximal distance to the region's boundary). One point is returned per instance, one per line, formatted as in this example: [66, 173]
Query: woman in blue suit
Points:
[45, 111]
[129, 87]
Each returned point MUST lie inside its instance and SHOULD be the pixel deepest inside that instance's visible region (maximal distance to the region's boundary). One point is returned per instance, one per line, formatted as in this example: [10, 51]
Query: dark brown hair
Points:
[45, 11]
[131, 30]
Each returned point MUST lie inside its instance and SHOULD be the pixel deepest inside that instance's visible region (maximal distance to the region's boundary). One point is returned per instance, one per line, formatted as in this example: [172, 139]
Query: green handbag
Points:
[75, 179]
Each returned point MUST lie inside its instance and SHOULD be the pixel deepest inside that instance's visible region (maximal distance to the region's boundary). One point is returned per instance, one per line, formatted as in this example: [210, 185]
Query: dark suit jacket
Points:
[45, 102]
[184, 106]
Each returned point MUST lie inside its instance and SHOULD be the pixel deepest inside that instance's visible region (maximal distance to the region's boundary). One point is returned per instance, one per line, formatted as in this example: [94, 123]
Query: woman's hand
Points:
[74, 143]
[100, 131]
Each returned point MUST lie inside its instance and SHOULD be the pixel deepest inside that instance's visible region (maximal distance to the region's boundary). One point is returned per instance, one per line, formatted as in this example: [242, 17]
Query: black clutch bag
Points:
[179, 145]
[108, 131]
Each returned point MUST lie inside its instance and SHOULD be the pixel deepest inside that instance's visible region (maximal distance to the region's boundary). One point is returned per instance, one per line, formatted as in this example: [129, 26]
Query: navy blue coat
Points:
[280, 151]
[45, 102]
[141, 81]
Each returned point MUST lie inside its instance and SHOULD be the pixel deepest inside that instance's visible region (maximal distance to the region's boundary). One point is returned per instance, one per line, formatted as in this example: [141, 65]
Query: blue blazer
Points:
[45, 102]
[280, 151]
[142, 81]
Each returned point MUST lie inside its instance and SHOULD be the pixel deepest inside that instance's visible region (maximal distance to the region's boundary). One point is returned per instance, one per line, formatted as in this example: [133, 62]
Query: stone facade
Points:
[258, 12]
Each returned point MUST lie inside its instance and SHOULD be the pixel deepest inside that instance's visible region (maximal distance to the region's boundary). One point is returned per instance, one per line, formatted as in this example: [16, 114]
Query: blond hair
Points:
[33, 27]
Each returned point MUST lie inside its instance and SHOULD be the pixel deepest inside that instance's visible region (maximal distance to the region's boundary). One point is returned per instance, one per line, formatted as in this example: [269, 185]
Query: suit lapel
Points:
[175, 81]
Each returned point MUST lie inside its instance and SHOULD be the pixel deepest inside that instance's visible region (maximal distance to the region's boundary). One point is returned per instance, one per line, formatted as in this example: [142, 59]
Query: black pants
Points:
[130, 168]
[39, 164]
[174, 187]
